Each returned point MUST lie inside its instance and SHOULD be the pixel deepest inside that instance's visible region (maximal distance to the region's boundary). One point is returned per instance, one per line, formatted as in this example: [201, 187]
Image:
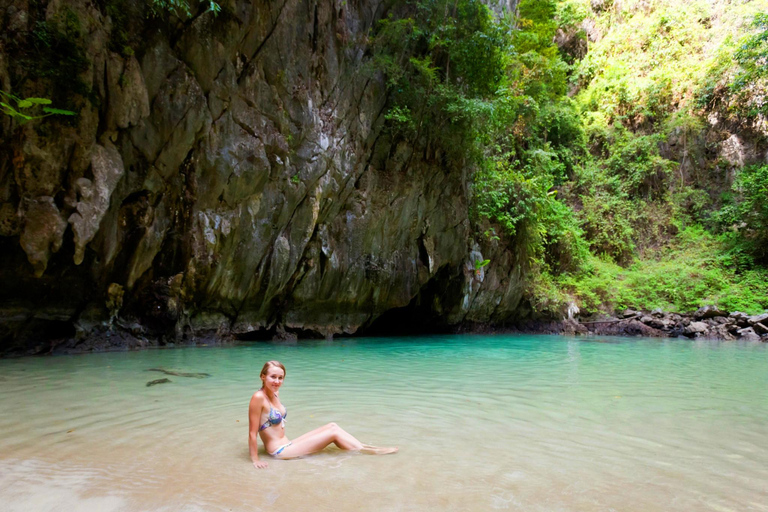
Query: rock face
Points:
[227, 175]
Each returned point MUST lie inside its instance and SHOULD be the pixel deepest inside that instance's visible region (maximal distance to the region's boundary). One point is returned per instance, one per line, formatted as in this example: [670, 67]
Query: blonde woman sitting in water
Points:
[266, 418]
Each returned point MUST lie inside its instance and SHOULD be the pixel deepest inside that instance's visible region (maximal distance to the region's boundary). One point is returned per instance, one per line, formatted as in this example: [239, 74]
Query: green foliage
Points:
[29, 109]
[745, 215]
[445, 64]
[636, 161]
[752, 58]
[572, 176]
[180, 7]
[683, 277]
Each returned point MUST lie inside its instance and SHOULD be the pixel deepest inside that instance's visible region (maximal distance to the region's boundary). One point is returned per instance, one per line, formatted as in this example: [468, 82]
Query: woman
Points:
[266, 417]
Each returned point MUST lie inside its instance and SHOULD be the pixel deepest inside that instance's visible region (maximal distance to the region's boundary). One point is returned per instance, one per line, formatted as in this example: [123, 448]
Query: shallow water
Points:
[530, 423]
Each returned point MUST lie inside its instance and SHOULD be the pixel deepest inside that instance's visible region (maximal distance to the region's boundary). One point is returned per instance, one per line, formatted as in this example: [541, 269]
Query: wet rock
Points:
[748, 334]
[658, 312]
[760, 328]
[655, 322]
[696, 328]
[757, 319]
[710, 311]
[157, 381]
[628, 313]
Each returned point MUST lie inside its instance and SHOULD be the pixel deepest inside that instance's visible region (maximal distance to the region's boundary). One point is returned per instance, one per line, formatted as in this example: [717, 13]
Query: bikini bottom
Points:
[280, 450]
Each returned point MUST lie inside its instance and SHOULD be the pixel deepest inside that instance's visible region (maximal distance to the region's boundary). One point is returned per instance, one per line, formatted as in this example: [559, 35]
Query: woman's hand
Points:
[258, 464]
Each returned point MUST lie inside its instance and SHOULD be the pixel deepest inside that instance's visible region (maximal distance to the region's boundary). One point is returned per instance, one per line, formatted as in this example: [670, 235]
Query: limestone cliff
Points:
[225, 175]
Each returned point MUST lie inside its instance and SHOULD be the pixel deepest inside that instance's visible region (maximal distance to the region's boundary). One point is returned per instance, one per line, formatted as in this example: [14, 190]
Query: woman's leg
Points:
[318, 439]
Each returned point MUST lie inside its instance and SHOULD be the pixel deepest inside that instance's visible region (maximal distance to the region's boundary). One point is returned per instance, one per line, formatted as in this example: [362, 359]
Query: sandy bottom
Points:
[502, 423]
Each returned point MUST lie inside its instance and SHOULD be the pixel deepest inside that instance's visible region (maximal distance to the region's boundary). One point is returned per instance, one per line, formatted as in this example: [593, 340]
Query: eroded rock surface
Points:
[228, 176]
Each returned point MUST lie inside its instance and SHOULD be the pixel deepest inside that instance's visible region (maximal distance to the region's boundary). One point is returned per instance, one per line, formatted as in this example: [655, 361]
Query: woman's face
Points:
[273, 378]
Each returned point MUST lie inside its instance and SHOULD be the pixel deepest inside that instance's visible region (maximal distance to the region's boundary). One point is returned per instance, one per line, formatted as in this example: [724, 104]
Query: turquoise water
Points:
[530, 423]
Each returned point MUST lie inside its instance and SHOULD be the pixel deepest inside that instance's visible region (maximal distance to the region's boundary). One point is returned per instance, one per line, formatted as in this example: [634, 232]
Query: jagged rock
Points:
[656, 323]
[128, 99]
[740, 318]
[628, 313]
[107, 167]
[658, 312]
[760, 328]
[696, 328]
[710, 311]
[43, 232]
[748, 334]
[722, 320]
[757, 319]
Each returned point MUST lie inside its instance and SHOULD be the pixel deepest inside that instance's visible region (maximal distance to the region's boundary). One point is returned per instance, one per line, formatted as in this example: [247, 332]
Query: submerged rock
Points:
[157, 381]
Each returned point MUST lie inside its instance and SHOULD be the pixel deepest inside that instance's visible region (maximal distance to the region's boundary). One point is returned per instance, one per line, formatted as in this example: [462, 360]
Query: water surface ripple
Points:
[530, 423]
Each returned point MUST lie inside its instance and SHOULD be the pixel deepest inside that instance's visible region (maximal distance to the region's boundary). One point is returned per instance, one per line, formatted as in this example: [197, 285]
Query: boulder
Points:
[748, 334]
[656, 323]
[696, 328]
[628, 313]
[760, 328]
[709, 311]
[658, 312]
[757, 319]
[740, 318]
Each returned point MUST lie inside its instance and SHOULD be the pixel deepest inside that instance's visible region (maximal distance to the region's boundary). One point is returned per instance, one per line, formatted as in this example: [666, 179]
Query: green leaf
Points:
[480, 264]
[38, 101]
[49, 110]
[24, 104]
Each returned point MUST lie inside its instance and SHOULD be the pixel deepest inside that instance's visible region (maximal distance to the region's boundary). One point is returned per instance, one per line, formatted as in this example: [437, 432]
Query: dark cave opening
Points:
[426, 312]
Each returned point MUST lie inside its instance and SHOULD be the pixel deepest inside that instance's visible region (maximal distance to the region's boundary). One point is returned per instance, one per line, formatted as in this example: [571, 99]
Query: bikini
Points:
[275, 417]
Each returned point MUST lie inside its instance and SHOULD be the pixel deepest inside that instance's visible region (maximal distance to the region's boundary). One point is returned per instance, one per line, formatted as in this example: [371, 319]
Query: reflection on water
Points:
[483, 422]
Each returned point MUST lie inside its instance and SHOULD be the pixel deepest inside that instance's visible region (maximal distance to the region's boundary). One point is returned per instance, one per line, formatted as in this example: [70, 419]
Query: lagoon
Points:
[503, 422]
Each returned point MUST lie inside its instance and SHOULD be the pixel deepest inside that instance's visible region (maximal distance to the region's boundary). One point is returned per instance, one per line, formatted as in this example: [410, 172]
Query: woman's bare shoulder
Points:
[258, 398]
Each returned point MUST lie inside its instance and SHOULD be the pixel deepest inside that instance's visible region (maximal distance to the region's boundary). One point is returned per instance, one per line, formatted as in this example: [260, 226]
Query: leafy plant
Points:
[746, 215]
[752, 58]
[28, 109]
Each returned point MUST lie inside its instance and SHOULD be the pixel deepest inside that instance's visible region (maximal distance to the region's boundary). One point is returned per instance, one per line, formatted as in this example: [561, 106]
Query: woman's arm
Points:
[254, 415]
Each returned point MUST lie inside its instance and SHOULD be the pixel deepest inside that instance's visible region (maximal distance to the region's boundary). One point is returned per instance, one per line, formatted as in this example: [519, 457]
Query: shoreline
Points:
[707, 322]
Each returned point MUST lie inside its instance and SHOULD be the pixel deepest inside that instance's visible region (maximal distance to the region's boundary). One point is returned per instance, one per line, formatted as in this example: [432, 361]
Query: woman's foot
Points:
[377, 450]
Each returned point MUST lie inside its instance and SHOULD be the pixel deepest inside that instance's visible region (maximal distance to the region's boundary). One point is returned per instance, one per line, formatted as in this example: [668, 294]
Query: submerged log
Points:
[193, 375]
[157, 381]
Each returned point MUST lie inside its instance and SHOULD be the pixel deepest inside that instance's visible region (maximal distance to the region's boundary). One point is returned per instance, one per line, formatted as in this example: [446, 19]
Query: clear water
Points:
[529, 423]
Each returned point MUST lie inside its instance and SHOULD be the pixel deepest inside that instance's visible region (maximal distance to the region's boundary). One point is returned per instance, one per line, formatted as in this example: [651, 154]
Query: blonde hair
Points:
[276, 364]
